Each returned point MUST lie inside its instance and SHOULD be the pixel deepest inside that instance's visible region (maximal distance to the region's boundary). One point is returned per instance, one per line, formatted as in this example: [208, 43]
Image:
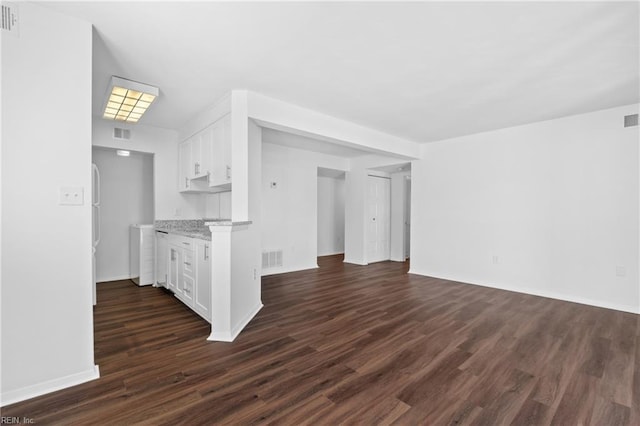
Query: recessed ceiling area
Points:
[309, 144]
[331, 173]
[423, 71]
[394, 168]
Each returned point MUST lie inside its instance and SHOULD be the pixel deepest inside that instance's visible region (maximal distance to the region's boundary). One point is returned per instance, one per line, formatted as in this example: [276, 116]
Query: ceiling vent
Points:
[631, 120]
[9, 18]
[121, 134]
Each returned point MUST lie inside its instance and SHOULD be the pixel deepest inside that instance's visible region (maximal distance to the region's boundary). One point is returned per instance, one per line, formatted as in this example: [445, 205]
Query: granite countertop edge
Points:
[226, 223]
[194, 228]
[203, 235]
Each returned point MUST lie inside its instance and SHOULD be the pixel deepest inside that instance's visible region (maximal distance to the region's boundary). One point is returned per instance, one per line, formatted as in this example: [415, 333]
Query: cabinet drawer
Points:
[188, 262]
[181, 241]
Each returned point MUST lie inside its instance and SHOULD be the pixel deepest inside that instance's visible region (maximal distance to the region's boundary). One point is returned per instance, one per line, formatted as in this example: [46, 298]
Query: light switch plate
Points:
[71, 196]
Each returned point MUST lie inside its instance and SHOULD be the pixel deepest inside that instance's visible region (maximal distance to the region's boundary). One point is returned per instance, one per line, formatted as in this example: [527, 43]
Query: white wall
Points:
[126, 198]
[330, 215]
[289, 211]
[398, 208]
[163, 143]
[549, 208]
[246, 255]
[218, 205]
[47, 315]
[355, 215]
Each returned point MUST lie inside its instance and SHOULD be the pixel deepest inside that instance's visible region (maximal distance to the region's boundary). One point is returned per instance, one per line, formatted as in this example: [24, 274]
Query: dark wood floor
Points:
[357, 345]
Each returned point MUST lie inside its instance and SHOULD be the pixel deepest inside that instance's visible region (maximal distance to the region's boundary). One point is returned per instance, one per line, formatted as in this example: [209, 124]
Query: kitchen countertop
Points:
[225, 222]
[194, 228]
[187, 228]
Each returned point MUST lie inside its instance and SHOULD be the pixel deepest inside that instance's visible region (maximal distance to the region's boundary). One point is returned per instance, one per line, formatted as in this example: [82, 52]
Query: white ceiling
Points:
[422, 71]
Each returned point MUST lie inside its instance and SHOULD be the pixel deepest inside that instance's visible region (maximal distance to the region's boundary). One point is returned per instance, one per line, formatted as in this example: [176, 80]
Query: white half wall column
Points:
[235, 286]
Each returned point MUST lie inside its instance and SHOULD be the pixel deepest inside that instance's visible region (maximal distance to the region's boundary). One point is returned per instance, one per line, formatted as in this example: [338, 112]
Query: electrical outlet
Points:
[71, 196]
[621, 271]
[496, 260]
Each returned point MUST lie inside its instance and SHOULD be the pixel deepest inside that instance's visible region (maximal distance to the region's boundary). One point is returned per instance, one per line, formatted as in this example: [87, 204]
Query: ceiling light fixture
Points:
[123, 153]
[127, 100]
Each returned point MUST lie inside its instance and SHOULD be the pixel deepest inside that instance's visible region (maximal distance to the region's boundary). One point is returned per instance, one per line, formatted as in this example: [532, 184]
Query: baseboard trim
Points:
[230, 335]
[115, 278]
[355, 262]
[287, 270]
[330, 254]
[536, 292]
[49, 386]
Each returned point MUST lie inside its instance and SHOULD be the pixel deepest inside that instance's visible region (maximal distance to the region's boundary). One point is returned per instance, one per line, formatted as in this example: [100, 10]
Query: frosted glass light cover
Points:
[128, 103]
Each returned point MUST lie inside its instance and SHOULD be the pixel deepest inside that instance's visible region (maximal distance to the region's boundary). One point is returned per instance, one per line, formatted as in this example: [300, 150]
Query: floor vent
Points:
[121, 134]
[631, 120]
[271, 259]
[9, 21]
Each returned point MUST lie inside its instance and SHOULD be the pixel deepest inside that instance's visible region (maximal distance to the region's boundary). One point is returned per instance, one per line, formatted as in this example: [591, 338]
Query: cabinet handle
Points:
[228, 172]
[187, 263]
[186, 182]
[206, 255]
[208, 177]
[187, 244]
[197, 168]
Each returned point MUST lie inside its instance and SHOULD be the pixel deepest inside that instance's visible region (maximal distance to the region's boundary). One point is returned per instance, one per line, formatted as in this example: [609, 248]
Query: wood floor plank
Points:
[350, 344]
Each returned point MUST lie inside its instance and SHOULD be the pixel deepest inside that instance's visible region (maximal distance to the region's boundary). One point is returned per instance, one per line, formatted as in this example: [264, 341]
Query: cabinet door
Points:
[161, 259]
[175, 270]
[196, 157]
[206, 153]
[217, 139]
[184, 169]
[226, 147]
[221, 152]
[187, 290]
[202, 297]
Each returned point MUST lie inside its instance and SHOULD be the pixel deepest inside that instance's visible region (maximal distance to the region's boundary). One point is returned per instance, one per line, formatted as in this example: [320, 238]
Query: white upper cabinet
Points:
[206, 153]
[197, 171]
[205, 159]
[184, 154]
[221, 153]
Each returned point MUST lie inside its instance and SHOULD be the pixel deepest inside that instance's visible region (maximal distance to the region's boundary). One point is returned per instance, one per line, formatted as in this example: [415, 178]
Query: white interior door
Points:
[379, 216]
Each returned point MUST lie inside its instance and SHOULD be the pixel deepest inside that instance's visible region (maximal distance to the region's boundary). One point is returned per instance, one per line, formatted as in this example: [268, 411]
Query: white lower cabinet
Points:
[174, 267]
[162, 262]
[185, 286]
[189, 275]
[202, 301]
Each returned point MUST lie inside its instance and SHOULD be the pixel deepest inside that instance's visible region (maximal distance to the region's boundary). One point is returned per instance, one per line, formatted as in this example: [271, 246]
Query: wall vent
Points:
[121, 134]
[631, 120]
[271, 259]
[9, 21]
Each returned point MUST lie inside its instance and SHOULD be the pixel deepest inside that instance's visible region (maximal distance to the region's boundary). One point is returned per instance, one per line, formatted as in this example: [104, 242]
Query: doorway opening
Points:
[331, 212]
[123, 196]
[399, 217]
